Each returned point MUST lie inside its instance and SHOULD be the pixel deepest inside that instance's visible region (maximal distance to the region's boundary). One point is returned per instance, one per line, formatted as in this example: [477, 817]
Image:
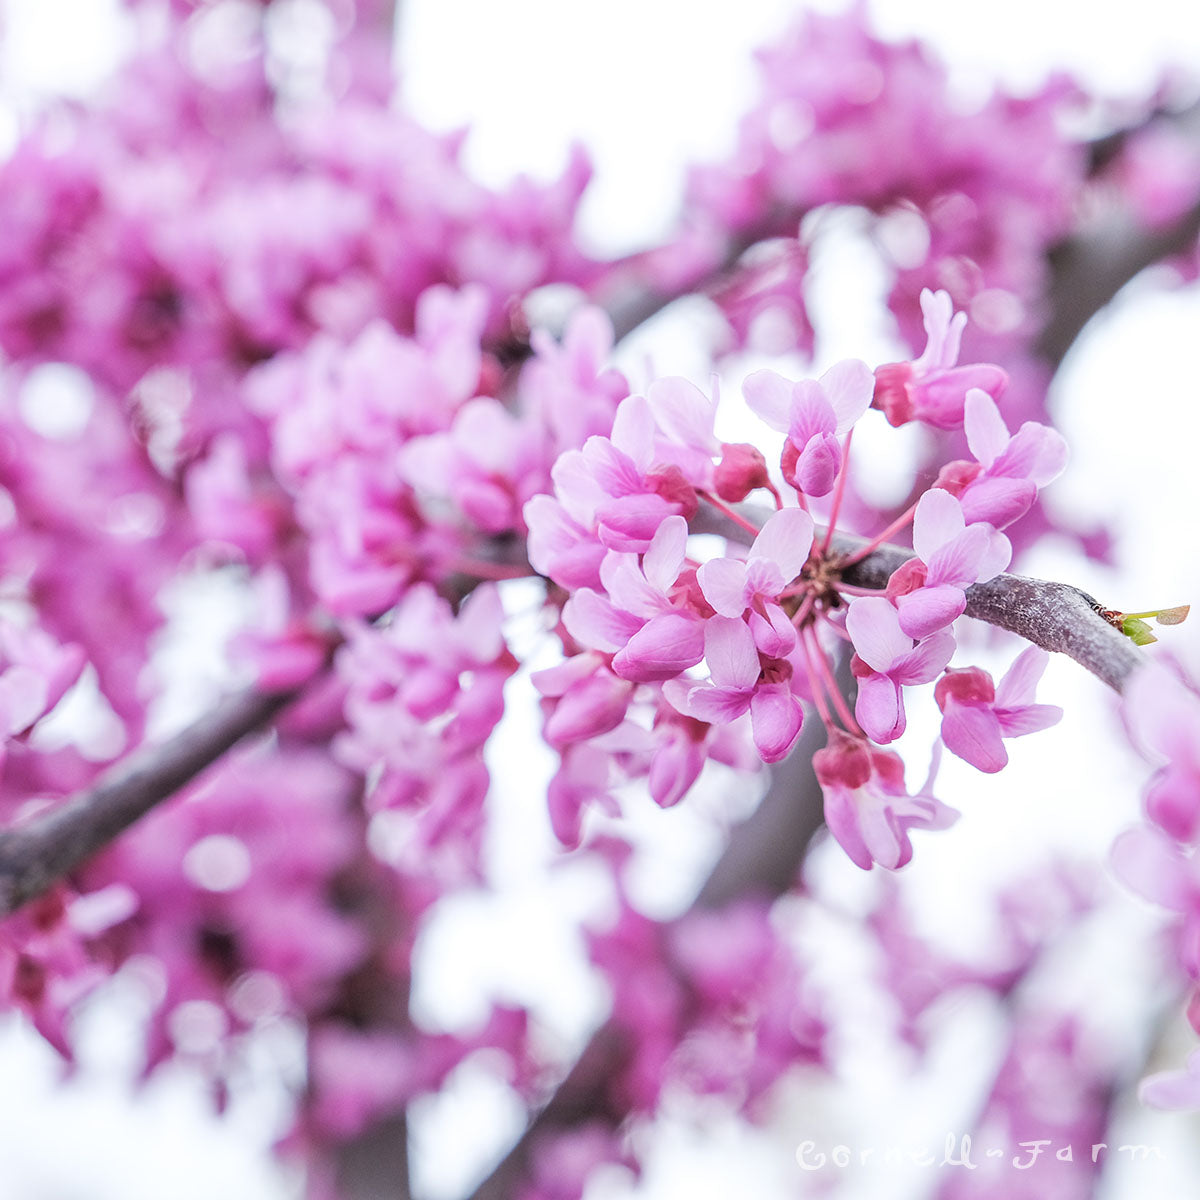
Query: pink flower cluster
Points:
[740, 642]
[1159, 859]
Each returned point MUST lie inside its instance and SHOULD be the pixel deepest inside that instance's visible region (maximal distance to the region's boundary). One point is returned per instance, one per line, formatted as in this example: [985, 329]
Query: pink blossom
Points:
[977, 715]
[1164, 718]
[588, 699]
[1004, 481]
[931, 388]
[740, 684]
[814, 414]
[929, 591]
[886, 660]
[867, 806]
[1173, 1089]
[649, 619]
[776, 557]
[1165, 873]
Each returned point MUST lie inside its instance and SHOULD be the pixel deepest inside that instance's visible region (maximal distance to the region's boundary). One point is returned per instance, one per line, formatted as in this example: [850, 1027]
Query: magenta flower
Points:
[1165, 873]
[931, 388]
[1164, 718]
[776, 557]
[867, 808]
[930, 593]
[1178, 1090]
[739, 685]
[887, 660]
[584, 697]
[1010, 469]
[651, 626]
[978, 715]
[814, 414]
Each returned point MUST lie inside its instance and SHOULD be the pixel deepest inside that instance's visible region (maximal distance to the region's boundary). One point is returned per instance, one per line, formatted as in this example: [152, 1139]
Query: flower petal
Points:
[785, 539]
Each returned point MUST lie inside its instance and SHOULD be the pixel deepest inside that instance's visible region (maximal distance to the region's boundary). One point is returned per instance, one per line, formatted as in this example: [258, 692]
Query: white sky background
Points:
[648, 86]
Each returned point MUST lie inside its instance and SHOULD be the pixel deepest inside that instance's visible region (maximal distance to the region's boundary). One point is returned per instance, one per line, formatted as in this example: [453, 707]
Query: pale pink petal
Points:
[630, 522]
[849, 384]
[674, 768]
[938, 520]
[723, 582]
[874, 628]
[770, 397]
[927, 610]
[987, 435]
[717, 705]
[927, 659]
[995, 558]
[627, 586]
[1029, 718]
[592, 620]
[841, 817]
[1152, 865]
[957, 561]
[1178, 1090]
[885, 841]
[879, 708]
[818, 465]
[1172, 802]
[998, 500]
[730, 653]
[943, 329]
[665, 554]
[973, 733]
[811, 413]
[773, 632]
[588, 710]
[1036, 452]
[633, 430]
[1019, 685]
[785, 539]
[775, 718]
[661, 649]
[683, 412]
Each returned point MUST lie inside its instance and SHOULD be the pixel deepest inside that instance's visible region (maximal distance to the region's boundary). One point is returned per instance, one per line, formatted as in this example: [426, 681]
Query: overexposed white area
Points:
[649, 86]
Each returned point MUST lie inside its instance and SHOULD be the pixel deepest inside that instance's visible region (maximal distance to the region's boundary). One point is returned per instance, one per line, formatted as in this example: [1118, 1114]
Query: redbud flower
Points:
[867, 807]
[886, 660]
[814, 414]
[739, 685]
[953, 555]
[931, 388]
[977, 715]
[776, 557]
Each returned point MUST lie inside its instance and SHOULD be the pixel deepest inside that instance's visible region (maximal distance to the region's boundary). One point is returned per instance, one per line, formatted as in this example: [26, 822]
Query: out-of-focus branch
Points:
[762, 858]
[1088, 270]
[38, 853]
[41, 851]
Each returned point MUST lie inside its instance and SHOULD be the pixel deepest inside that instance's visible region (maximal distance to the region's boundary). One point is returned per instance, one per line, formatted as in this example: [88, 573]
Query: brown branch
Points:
[39, 852]
[1056, 616]
[46, 848]
[1088, 270]
[762, 857]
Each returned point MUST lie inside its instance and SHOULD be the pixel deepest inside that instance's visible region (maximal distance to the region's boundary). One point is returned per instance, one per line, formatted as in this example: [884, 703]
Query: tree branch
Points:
[46, 848]
[762, 857]
[41, 851]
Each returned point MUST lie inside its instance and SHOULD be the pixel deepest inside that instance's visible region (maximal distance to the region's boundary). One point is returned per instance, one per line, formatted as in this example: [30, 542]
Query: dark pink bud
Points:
[670, 483]
[955, 476]
[742, 469]
[891, 392]
[844, 762]
[966, 685]
[906, 578]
